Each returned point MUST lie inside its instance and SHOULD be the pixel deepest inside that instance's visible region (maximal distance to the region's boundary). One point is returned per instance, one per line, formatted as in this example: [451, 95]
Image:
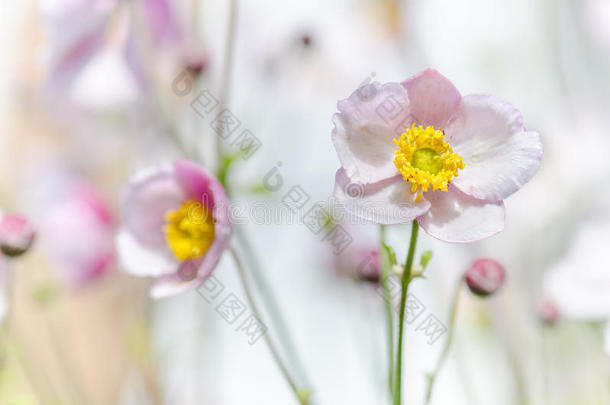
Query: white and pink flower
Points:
[176, 226]
[77, 229]
[420, 150]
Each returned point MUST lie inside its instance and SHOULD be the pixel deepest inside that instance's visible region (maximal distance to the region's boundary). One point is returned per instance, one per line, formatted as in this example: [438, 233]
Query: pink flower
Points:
[77, 229]
[77, 31]
[361, 263]
[176, 226]
[419, 150]
[16, 235]
[548, 312]
[485, 277]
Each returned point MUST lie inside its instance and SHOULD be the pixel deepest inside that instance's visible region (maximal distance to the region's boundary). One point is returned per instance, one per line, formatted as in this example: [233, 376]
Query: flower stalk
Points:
[405, 281]
[385, 274]
[301, 394]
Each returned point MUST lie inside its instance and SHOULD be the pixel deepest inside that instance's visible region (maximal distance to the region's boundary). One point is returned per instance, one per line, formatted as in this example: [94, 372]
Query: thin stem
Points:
[271, 303]
[385, 274]
[448, 341]
[406, 279]
[301, 394]
[72, 377]
[11, 284]
[228, 65]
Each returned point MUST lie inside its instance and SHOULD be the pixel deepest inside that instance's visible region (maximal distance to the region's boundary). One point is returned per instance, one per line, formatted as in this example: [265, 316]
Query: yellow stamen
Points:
[426, 160]
[190, 230]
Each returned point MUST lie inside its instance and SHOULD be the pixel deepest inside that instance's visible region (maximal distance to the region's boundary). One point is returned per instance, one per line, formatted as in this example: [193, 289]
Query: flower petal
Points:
[434, 99]
[367, 122]
[500, 156]
[75, 32]
[387, 202]
[138, 260]
[149, 196]
[199, 184]
[180, 281]
[459, 218]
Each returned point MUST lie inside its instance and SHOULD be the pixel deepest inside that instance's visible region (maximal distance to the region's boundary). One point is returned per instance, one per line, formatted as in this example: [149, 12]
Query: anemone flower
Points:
[77, 229]
[419, 150]
[176, 226]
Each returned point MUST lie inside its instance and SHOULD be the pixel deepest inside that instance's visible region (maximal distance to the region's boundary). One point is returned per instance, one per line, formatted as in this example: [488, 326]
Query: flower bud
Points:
[485, 277]
[16, 235]
[369, 268]
[548, 312]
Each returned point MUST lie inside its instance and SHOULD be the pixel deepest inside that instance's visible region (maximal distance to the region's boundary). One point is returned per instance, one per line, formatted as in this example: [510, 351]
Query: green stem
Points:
[385, 274]
[302, 395]
[227, 66]
[406, 279]
[448, 341]
[279, 324]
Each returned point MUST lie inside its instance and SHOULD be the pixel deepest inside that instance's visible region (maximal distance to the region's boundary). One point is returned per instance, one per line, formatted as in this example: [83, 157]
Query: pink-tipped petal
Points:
[386, 202]
[193, 179]
[459, 218]
[75, 31]
[199, 184]
[433, 98]
[148, 198]
[367, 122]
[499, 154]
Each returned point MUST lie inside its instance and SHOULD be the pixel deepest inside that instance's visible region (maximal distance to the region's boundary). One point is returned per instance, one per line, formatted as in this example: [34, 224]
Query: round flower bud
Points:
[548, 312]
[369, 268]
[485, 277]
[16, 235]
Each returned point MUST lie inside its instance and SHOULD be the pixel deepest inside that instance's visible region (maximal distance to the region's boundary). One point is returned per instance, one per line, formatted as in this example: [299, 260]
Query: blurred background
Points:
[92, 91]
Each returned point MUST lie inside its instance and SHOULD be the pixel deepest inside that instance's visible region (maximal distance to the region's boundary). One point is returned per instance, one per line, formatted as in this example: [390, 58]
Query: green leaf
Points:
[425, 258]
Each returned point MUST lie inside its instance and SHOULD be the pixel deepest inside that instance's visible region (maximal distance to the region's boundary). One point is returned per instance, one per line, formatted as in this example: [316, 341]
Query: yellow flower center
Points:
[426, 160]
[190, 230]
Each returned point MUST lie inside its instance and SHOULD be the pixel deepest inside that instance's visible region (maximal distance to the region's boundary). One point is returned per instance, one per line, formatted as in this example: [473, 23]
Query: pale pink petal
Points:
[459, 218]
[74, 32]
[499, 154]
[161, 21]
[139, 260]
[364, 128]
[148, 198]
[386, 202]
[433, 98]
[171, 285]
[184, 279]
[78, 240]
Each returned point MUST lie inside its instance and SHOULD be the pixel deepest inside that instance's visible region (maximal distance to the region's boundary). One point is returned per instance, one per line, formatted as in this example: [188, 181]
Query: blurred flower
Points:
[79, 32]
[176, 226]
[456, 160]
[548, 311]
[485, 277]
[579, 283]
[77, 229]
[16, 235]
[359, 262]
